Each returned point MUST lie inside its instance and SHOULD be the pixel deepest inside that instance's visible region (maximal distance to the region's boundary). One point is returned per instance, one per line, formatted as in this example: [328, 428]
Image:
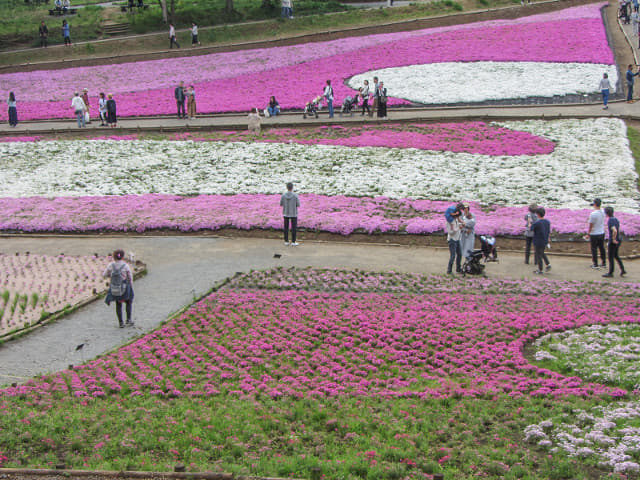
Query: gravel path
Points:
[182, 268]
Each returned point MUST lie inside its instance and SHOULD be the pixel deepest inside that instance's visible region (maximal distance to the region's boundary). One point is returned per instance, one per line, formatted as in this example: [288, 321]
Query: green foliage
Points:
[634, 143]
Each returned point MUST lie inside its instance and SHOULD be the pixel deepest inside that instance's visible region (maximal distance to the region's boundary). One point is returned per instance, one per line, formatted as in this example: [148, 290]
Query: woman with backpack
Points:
[121, 286]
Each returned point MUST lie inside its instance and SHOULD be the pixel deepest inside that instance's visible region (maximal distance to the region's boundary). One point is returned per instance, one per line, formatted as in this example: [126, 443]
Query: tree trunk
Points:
[229, 6]
[163, 6]
[173, 10]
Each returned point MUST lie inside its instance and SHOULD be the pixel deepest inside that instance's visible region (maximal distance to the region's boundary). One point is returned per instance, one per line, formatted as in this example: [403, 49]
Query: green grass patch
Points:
[347, 438]
[634, 143]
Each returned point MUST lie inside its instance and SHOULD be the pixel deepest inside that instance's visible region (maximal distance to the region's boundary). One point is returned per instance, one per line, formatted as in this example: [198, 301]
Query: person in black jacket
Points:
[43, 32]
[180, 97]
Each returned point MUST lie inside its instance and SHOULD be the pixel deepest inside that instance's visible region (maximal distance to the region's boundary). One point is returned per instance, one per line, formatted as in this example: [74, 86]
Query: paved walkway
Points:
[182, 268]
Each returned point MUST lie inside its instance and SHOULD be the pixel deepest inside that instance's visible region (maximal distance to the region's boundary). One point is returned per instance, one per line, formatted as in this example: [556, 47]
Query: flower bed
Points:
[305, 343]
[579, 168]
[33, 287]
[609, 434]
[292, 73]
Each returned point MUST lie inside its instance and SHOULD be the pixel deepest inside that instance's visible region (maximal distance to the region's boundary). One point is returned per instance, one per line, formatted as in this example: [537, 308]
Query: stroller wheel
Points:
[304, 115]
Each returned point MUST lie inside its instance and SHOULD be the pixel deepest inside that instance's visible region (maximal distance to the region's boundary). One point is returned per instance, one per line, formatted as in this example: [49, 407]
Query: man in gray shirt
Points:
[596, 234]
[290, 203]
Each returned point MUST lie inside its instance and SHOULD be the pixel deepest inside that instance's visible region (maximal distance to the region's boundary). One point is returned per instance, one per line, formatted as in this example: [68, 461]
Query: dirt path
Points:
[183, 268]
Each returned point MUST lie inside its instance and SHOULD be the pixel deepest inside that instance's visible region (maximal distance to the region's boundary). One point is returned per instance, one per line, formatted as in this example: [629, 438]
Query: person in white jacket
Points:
[79, 108]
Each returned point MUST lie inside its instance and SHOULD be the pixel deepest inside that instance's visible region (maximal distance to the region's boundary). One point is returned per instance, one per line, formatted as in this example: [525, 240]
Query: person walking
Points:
[364, 94]
[630, 81]
[85, 99]
[541, 231]
[467, 231]
[287, 9]
[374, 107]
[290, 203]
[102, 109]
[382, 101]
[595, 234]
[112, 119]
[529, 219]
[66, 34]
[179, 95]
[452, 216]
[194, 35]
[328, 95]
[13, 110]
[613, 225]
[121, 286]
[43, 33]
[172, 36]
[605, 86]
[79, 108]
[191, 102]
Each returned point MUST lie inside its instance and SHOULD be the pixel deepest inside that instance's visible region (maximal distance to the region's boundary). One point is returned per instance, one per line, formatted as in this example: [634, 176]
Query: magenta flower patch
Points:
[298, 343]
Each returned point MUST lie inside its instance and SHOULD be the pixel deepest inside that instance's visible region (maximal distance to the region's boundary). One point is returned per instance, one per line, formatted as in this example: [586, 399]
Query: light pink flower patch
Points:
[297, 74]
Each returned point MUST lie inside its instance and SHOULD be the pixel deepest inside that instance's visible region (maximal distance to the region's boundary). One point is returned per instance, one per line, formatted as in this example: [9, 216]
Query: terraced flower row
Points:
[296, 74]
[300, 343]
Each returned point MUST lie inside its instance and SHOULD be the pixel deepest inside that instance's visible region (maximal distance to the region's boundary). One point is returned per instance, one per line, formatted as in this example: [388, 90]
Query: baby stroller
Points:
[312, 107]
[472, 264]
[488, 248]
[349, 104]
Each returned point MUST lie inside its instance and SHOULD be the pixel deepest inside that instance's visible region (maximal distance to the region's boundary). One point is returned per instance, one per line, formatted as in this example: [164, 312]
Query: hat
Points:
[597, 202]
[465, 205]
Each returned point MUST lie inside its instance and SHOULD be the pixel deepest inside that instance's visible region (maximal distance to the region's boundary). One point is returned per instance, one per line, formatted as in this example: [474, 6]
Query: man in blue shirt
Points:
[630, 80]
[614, 242]
[541, 229]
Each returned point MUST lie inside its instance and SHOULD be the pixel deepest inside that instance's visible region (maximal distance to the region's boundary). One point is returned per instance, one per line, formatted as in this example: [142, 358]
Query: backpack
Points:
[118, 284]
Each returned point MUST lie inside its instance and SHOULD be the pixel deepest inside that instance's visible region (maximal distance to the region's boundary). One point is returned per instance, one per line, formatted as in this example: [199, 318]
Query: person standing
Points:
[613, 225]
[541, 230]
[191, 102]
[453, 239]
[112, 119]
[172, 36]
[364, 94]
[121, 287]
[43, 32]
[290, 203]
[194, 35]
[253, 121]
[66, 33]
[85, 99]
[102, 109]
[530, 218]
[467, 231]
[605, 86]
[179, 94]
[630, 81]
[13, 110]
[79, 108]
[374, 107]
[287, 9]
[328, 95]
[595, 234]
[382, 101]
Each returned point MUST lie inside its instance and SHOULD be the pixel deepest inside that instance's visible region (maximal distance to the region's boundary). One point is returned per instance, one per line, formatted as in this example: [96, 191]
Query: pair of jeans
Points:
[540, 257]
[365, 105]
[597, 243]
[181, 107]
[294, 227]
[273, 111]
[330, 106]
[173, 41]
[605, 96]
[613, 256]
[629, 91]
[527, 249]
[119, 311]
[287, 12]
[454, 253]
[13, 116]
[80, 118]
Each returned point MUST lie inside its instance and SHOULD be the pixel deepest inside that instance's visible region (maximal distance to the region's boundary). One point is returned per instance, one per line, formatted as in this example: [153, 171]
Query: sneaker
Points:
[449, 272]
[605, 108]
[130, 323]
[295, 244]
[286, 244]
[122, 325]
[604, 265]
[595, 267]
[538, 272]
[548, 268]
[608, 275]
[623, 273]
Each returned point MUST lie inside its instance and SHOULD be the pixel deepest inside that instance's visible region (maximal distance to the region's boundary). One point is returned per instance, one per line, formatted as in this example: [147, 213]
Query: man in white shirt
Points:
[453, 240]
[328, 95]
[596, 234]
[79, 108]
